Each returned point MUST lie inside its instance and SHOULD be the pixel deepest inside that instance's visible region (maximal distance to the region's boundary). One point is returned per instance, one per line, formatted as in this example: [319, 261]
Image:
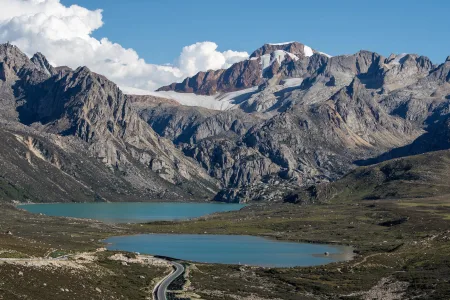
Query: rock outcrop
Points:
[240, 76]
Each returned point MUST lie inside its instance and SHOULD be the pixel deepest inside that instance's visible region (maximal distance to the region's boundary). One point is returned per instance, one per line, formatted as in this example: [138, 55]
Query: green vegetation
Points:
[102, 279]
[56, 254]
[12, 254]
[9, 191]
[421, 176]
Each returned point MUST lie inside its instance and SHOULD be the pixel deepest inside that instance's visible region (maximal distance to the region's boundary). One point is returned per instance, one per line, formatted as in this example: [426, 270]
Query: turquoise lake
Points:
[230, 249]
[130, 212]
[223, 249]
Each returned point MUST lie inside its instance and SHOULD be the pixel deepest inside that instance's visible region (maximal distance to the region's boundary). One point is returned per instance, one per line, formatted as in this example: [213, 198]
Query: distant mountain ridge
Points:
[291, 117]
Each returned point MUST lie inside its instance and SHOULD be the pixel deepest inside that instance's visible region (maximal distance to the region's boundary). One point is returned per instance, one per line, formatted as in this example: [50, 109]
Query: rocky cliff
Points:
[240, 76]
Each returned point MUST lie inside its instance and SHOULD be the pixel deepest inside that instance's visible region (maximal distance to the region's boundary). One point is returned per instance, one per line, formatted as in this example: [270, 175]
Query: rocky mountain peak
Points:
[16, 65]
[10, 49]
[442, 72]
[241, 75]
[42, 63]
[294, 48]
[301, 118]
[81, 72]
[13, 57]
[266, 62]
[448, 58]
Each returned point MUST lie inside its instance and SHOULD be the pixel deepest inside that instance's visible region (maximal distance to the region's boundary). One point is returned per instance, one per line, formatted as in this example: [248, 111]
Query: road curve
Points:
[160, 291]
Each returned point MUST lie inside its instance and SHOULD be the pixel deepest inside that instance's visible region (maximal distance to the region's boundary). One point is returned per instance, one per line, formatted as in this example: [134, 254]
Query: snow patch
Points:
[308, 51]
[134, 91]
[280, 44]
[327, 55]
[399, 57]
[223, 101]
[291, 82]
[279, 55]
[265, 61]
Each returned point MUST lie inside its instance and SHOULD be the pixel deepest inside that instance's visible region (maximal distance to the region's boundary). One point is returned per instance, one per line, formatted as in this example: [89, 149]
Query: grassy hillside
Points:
[421, 176]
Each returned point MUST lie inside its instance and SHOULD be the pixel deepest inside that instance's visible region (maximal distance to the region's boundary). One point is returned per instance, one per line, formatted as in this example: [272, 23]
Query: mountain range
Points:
[287, 117]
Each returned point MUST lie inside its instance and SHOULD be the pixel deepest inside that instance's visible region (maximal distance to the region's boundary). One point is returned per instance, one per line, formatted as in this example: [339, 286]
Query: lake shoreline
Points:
[131, 212]
[334, 253]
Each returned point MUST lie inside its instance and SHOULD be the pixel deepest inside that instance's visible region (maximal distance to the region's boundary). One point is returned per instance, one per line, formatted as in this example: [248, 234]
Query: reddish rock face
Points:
[242, 75]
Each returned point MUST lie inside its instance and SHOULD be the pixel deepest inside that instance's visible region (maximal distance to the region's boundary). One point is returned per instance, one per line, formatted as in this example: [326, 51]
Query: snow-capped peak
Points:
[280, 44]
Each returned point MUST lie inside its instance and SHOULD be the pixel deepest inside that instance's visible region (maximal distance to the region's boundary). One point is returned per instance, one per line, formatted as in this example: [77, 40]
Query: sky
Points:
[144, 44]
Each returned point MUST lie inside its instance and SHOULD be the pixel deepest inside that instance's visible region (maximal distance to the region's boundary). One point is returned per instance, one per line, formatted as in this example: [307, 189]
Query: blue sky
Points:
[158, 29]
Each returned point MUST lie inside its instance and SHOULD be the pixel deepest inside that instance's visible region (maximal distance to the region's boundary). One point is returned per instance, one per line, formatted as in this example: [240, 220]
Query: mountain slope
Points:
[317, 117]
[421, 176]
[96, 116]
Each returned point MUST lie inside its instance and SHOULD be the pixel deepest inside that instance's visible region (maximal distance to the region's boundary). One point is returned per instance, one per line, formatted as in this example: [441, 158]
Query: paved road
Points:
[161, 289]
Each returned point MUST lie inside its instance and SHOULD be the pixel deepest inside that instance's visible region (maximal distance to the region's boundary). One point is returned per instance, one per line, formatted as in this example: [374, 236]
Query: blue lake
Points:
[224, 249]
[130, 212]
[230, 249]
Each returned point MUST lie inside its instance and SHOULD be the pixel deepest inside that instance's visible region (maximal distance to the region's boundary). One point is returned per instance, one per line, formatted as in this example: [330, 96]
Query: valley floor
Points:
[402, 246]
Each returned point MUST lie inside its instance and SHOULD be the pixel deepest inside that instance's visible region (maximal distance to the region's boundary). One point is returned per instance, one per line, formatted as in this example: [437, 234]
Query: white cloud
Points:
[63, 35]
[204, 56]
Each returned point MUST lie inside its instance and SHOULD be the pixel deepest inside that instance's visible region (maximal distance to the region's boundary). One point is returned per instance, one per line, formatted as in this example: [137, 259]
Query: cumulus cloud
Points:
[64, 35]
[204, 56]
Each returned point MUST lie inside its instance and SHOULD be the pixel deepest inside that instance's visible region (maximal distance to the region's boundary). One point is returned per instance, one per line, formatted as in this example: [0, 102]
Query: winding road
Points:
[160, 291]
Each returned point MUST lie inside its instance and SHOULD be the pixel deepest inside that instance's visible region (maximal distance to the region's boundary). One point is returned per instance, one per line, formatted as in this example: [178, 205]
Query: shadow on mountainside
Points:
[436, 138]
